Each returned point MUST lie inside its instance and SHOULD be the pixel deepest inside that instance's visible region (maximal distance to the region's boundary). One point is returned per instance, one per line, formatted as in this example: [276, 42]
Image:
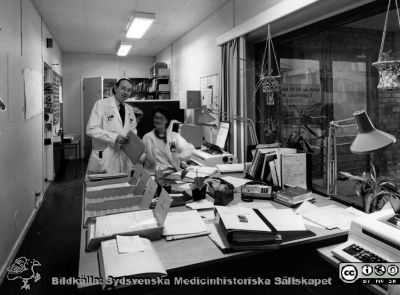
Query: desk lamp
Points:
[206, 118]
[368, 140]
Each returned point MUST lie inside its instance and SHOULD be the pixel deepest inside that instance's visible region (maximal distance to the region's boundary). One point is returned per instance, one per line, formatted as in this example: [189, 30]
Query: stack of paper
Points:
[236, 182]
[230, 168]
[103, 176]
[181, 225]
[194, 171]
[107, 186]
[330, 217]
[201, 205]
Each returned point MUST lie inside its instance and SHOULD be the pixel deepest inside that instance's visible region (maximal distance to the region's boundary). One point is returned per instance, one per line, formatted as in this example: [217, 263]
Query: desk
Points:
[326, 254]
[181, 255]
[59, 150]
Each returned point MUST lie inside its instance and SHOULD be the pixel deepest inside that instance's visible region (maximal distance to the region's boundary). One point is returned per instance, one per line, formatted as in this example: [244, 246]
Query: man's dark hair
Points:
[119, 82]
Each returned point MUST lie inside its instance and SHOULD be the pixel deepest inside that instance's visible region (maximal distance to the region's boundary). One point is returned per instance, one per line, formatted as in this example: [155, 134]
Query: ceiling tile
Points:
[97, 26]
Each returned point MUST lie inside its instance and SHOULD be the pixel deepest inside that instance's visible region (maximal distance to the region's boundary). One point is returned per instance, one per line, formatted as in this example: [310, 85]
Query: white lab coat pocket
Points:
[110, 123]
[95, 164]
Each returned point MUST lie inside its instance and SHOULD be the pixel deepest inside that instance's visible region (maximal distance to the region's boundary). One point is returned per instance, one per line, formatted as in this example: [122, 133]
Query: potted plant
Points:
[199, 187]
[304, 117]
[374, 191]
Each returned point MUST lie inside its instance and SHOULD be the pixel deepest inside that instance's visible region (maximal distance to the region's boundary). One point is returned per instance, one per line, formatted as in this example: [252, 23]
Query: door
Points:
[92, 91]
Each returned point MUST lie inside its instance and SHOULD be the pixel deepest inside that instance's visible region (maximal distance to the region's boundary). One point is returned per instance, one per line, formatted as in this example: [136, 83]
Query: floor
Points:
[54, 236]
[54, 239]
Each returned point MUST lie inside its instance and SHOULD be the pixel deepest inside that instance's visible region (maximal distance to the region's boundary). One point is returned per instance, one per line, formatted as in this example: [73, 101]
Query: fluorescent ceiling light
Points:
[138, 24]
[124, 48]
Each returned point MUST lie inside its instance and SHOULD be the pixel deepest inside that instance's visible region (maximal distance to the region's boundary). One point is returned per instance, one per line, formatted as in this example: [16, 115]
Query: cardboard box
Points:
[164, 87]
[162, 72]
[190, 99]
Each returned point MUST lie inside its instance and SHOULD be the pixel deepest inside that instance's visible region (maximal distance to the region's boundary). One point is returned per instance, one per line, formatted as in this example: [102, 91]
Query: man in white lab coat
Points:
[110, 121]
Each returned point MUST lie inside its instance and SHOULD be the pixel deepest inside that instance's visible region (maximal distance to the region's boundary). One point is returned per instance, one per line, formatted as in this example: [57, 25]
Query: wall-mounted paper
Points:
[15, 84]
[33, 93]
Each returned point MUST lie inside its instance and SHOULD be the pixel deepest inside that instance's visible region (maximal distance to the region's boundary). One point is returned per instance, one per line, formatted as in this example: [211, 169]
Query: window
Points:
[327, 74]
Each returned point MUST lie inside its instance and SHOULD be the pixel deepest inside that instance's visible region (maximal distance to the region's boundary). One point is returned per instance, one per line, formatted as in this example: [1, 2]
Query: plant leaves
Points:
[184, 173]
[352, 177]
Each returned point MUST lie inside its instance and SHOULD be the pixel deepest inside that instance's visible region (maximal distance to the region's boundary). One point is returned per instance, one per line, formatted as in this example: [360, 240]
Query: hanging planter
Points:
[389, 69]
[271, 83]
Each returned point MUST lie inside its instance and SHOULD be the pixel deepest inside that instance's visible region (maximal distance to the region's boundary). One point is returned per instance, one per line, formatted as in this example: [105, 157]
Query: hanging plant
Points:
[266, 78]
[389, 68]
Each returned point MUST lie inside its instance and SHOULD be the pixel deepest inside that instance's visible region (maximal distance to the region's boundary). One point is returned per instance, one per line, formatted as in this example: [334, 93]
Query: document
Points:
[283, 219]
[124, 222]
[144, 263]
[183, 223]
[230, 168]
[254, 205]
[107, 186]
[200, 205]
[236, 182]
[239, 218]
[294, 170]
[130, 244]
[222, 134]
[331, 216]
[103, 176]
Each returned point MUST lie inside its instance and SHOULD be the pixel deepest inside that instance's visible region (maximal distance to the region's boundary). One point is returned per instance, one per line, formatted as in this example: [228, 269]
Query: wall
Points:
[20, 140]
[76, 66]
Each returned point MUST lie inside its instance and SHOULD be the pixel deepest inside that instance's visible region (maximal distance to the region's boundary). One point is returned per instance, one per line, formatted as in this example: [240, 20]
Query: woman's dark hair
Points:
[119, 82]
[164, 112]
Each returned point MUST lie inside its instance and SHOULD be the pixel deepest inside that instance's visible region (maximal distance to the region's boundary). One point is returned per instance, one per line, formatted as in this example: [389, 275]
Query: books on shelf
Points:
[267, 165]
[141, 260]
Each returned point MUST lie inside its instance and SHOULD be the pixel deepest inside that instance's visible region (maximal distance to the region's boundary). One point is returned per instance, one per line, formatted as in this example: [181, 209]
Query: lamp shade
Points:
[369, 139]
[205, 117]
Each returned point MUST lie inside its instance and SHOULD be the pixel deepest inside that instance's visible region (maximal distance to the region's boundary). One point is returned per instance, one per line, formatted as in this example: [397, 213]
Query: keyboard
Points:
[363, 255]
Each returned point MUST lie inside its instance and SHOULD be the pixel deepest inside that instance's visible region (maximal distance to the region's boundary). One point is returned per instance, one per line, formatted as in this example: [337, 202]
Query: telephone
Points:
[220, 190]
[256, 190]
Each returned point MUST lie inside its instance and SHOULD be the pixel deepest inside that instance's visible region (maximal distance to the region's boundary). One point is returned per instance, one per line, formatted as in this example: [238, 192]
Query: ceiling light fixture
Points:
[138, 24]
[124, 48]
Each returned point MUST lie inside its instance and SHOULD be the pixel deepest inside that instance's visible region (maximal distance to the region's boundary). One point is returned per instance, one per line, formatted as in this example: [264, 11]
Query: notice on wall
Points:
[33, 93]
[15, 85]
[301, 94]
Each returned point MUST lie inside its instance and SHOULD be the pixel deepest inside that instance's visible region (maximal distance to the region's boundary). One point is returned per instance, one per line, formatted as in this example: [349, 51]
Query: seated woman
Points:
[165, 149]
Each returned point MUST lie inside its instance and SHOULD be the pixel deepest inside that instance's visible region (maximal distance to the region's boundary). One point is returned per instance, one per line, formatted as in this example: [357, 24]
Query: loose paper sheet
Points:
[284, 219]
[130, 244]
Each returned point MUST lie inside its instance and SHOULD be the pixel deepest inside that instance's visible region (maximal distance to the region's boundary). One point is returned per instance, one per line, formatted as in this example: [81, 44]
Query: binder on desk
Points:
[252, 229]
[143, 263]
[247, 229]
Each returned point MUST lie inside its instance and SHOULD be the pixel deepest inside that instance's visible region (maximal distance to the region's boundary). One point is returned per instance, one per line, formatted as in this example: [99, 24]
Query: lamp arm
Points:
[250, 123]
